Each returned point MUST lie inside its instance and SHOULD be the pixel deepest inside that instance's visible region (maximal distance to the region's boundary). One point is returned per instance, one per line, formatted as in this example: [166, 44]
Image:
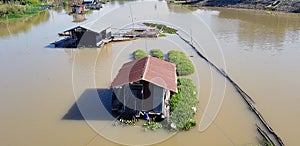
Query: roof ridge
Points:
[145, 67]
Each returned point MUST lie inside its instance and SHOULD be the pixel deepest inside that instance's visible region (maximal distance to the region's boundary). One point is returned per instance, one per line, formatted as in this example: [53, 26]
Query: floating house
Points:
[144, 86]
[87, 1]
[92, 35]
[78, 9]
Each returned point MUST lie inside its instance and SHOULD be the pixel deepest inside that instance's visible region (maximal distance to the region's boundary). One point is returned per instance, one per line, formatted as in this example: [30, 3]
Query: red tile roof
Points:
[151, 69]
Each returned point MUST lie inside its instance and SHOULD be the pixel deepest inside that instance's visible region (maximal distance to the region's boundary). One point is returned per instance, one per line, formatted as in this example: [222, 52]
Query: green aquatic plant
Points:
[152, 126]
[158, 54]
[162, 35]
[137, 54]
[124, 122]
[184, 65]
[164, 28]
[183, 105]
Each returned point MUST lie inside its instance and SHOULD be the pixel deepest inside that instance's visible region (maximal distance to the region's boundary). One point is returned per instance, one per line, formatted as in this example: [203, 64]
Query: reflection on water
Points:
[181, 8]
[118, 2]
[22, 25]
[67, 8]
[260, 29]
[59, 9]
[37, 83]
[265, 29]
[79, 17]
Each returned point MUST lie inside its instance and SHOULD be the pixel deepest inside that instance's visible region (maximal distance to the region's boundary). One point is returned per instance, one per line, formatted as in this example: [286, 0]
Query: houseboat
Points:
[93, 35]
[143, 87]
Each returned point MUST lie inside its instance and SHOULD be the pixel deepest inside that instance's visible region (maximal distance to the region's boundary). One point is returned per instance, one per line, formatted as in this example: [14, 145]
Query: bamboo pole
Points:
[242, 93]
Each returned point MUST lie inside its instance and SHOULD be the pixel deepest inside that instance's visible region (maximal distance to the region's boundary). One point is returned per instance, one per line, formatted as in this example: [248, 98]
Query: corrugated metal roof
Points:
[95, 27]
[151, 69]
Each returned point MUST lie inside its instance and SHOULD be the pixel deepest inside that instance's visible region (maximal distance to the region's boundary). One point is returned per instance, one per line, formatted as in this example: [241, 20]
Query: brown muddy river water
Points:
[40, 85]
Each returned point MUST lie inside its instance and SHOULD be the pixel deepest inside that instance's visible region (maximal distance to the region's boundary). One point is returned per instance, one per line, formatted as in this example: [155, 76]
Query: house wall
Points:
[77, 10]
[88, 39]
[128, 97]
[136, 99]
[99, 39]
[157, 95]
[108, 33]
[78, 33]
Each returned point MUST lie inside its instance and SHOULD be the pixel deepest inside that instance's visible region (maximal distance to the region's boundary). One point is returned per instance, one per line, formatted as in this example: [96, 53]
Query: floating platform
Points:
[65, 43]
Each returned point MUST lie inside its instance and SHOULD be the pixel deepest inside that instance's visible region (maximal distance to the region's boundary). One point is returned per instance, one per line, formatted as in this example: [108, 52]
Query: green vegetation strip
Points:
[13, 11]
[137, 54]
[164, 28]
[158, 54]
[184, 65]
[183, 105]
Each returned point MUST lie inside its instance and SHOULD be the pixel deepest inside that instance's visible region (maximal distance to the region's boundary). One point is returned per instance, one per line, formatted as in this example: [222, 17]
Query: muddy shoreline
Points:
[290, 6]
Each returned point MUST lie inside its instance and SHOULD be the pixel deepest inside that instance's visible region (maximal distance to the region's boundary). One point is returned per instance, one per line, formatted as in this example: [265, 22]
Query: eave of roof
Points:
[151, 69]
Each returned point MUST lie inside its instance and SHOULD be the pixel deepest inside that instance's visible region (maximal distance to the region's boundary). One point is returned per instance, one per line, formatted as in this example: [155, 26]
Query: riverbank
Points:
[15, 11]
[290, 6]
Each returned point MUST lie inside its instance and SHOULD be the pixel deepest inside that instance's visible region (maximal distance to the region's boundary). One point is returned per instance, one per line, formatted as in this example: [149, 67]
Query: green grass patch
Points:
[158, 54]
[13, 11]
[164, 28]
[184, 65]
[137, 54]
[182, 104]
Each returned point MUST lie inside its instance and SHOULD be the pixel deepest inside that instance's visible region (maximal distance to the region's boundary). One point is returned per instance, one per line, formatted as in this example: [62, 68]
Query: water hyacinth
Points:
[183, 105]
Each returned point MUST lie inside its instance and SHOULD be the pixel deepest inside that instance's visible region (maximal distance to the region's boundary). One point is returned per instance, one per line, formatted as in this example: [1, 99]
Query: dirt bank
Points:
[292, 6]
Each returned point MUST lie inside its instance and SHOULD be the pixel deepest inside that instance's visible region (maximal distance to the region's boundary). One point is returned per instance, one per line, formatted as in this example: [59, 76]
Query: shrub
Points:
[14, 9]
[188, 125]
[182, 104]
[18, 11]
[31, 10]
[137, 54]
[184, 66]
[158, 54]
[25, 2]
[3, 11]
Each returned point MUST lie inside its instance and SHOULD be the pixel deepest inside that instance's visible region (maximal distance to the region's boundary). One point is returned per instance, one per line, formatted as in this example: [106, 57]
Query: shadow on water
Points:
[85, 99]
[51, 46]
